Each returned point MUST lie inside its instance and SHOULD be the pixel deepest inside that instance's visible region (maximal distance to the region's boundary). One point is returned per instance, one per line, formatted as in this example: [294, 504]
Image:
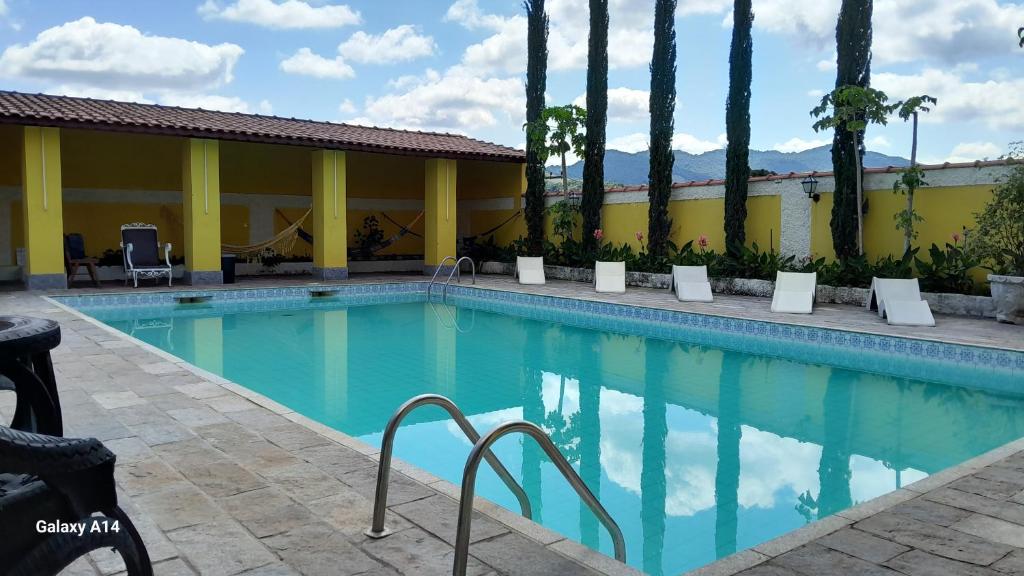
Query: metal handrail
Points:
[436, 272]
[482, 448]
[457, 270]
[377, 528]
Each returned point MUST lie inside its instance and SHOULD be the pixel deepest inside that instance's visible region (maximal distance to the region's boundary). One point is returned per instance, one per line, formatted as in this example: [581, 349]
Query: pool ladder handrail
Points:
[454, 317]
[482, 448]
[377, 528]
[436, 272]
[458, 270]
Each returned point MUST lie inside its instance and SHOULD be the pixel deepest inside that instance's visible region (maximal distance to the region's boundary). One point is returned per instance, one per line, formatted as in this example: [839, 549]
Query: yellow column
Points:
[201, 211]
[330, 229]
[439, 193]
[42, 209]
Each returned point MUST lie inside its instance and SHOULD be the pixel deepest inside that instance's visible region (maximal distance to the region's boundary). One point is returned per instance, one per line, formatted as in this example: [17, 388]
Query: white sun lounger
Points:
[610, 277]
[899, 302]
[690, 284]
[794, 292]
[530, 269]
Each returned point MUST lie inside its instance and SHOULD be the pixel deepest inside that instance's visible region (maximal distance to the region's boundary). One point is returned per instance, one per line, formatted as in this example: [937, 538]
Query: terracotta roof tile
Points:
[70, 112]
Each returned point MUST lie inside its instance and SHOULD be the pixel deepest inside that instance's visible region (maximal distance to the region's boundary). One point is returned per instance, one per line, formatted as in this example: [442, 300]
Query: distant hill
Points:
[631, 168]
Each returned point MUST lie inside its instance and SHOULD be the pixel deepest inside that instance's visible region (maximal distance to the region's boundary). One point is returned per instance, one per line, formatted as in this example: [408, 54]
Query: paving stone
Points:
[768, 569]
[919, 563]
[202, 390]
[161, 368]
[335, 460]
[1005, 475]
[161, 433]
[275, 569]
[935, 539]
[862, 545]
[103, 429]
[80, 567]
[220, 548]
[199, 416]
[992, 529]
[226, 436]
[401, 489]
[229, 403]
[262, 455]
[146, 476]
[110, 400]
[302, 481]
[930, 512]
[177, 506]
[439, 515]
[817, 560]
[990, 488]
[515, 555]
[140, 414]
[173, 567]
[172, 401]
[1012, 563]
[209, 468]
[267, 511]
[129, 450]
[257, 418]
[414, 552]
[294, 437]
[1009, 511]
[351, 513]
[317, 549]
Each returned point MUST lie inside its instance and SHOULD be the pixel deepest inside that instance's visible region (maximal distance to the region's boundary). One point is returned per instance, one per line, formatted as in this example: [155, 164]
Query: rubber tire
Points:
[26, 336]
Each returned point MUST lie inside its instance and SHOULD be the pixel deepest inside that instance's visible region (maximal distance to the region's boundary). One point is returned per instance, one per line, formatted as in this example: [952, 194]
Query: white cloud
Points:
[623, 103]
[290, 14]
[692, 7]
[265, 107]
[826, 65]
[306, 63]
[347, 107]
[799, 145]
[694, 145]
[116, 57]
[456, 100]
[630, 38]
[102, 94]
[971, 151]
[879, 142]
[3, 8]
[206, 102]
[997, 104]
[399, 44]
[636, 142]
[816, 94]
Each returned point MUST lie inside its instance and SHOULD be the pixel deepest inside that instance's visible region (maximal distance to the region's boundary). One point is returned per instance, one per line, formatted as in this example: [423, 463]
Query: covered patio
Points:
[209, 179]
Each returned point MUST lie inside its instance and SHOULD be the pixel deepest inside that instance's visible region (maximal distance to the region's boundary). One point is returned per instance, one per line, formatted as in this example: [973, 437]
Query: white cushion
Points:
[694, 292]
[530, 269]
[793, 302]
[908, 313]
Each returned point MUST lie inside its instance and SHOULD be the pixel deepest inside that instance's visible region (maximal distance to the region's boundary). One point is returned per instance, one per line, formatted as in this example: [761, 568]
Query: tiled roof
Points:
[69, 112]
[816, 174]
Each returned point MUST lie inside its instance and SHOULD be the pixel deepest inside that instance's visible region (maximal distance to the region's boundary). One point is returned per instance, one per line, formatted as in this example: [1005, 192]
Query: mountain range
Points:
[631, 168]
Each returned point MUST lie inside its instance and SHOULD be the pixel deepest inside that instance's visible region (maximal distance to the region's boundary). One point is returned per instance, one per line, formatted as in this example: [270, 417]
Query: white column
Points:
[795, 207]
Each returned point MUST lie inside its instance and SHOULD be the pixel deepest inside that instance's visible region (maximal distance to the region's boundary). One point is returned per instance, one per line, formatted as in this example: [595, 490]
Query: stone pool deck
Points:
[223, 482]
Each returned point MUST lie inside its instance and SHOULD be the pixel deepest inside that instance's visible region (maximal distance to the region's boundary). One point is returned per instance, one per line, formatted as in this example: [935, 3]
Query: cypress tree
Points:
[737, 126]
[853, 68]
[662, 107]
[536, 84]
[597, 119]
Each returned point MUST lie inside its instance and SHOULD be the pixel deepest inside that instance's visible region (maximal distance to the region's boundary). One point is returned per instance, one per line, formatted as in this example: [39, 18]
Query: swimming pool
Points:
[701, 435]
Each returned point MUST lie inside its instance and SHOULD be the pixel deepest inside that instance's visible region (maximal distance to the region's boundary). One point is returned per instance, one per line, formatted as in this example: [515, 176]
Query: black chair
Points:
[47, 481]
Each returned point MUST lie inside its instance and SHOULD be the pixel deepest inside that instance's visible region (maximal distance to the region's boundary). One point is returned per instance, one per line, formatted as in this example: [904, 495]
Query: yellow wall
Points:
[250, 168]
[483, 180]
[10, 155]
[945, 210]
[691, 218]
[107, 160]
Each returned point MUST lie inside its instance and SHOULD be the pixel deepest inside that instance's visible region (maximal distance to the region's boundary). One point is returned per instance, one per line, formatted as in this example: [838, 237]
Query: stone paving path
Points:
[219, 485]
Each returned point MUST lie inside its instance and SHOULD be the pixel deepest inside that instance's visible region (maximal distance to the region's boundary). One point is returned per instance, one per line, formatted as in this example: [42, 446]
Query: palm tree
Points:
[662, 106]
[737, 126]
[597, 120]
[536, 84]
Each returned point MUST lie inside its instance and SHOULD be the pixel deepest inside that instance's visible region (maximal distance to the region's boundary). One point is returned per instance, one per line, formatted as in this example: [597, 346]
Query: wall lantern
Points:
[810, 185]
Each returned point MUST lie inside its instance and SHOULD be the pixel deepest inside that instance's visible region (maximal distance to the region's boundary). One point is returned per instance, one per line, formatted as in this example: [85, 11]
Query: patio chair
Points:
[794, 292]
[899, 301]
[610, 277]
[75, 258]
[691, 284]
[530, 269]
[142, 253]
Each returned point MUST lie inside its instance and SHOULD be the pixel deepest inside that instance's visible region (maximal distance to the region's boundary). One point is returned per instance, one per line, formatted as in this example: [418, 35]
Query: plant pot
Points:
[1008, 295]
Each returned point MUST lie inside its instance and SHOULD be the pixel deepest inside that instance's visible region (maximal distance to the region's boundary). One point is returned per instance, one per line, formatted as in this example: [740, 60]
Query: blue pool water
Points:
[699, 442]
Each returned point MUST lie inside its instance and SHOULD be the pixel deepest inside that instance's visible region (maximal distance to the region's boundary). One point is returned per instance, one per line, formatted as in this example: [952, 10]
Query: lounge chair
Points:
[899, 302]
[794, 292]
[610, 277]
[530, 269]
[691, 284]
[142, 253]
[75, 258]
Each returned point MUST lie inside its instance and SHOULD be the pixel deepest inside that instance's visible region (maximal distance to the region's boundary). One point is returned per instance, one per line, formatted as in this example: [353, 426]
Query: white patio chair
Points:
[610, 277]
[691, 284]
[899, 301]
[141, 253]
[530, 269]
[794, 292]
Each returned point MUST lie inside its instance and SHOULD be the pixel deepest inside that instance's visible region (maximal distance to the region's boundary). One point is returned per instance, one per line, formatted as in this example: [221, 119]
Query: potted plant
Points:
[1001, 233]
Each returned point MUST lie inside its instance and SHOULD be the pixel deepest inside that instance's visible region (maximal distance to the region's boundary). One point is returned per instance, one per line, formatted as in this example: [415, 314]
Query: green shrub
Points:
[949, 269]
[1001, 226]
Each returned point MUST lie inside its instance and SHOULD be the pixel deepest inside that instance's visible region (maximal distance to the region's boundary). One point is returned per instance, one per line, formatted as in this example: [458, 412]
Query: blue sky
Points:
[457, 65]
